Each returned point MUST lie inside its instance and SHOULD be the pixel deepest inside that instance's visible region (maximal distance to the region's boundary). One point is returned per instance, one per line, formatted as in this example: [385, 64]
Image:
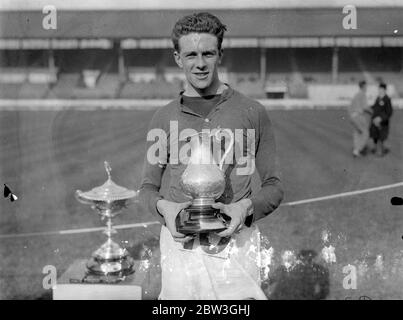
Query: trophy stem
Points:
[109, 228]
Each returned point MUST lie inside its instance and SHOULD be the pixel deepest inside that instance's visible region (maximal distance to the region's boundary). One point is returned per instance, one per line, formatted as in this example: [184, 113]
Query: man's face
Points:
[199, 57]
[381, 92]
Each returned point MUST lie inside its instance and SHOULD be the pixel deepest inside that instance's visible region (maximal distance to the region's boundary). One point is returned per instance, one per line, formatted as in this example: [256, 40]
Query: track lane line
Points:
[145, 224]
[343, 194]
[76, 231]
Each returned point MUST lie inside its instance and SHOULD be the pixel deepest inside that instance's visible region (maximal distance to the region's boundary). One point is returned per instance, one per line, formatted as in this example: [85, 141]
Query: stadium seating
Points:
[153, 75]
[105, 88]
[395, 78]
[26, 83]
[71, 86]
[33, 91]
[157, 89]
[10, 90]
[344, 91]
[252, 88]
[13, 75]
[65, 86]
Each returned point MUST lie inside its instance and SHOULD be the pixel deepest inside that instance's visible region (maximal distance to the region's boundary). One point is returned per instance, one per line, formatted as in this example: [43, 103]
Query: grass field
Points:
[46, 155]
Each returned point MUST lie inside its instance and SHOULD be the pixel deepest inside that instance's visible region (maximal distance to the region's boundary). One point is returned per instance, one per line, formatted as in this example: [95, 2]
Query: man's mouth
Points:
[201, 75]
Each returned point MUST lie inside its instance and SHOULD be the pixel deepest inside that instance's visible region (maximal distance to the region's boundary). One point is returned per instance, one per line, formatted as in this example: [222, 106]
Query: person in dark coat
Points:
[381, 112]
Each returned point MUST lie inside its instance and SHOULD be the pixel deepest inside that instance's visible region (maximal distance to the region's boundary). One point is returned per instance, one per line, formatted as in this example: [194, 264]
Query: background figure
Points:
[381, 112]
[360, 117]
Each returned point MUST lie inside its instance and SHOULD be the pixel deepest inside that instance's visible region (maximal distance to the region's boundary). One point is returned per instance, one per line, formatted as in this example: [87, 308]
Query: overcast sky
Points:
[186, 4]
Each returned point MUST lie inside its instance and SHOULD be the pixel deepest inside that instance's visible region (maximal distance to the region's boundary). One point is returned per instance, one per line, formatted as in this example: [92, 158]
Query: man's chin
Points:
[201, 85]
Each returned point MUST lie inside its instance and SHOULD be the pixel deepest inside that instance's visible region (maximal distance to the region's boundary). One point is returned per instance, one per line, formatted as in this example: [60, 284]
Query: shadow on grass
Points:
[144, 250]
[307, 280]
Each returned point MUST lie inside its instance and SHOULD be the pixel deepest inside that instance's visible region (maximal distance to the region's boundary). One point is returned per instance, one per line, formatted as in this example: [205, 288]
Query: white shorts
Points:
[231, 274]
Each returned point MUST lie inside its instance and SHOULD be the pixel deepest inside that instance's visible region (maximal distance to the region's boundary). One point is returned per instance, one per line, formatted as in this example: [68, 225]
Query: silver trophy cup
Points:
[204, 181]
[108, 200]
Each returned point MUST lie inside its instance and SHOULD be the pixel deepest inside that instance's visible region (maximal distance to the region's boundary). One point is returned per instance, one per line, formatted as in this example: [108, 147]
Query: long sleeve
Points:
[154, 166]
[358, 104]
[383, 111]
[268, 198]
[388, 109]
[149, 192]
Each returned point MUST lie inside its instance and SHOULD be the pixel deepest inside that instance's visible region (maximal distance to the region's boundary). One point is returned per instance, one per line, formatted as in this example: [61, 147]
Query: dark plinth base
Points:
[200, 219]
[70, 286]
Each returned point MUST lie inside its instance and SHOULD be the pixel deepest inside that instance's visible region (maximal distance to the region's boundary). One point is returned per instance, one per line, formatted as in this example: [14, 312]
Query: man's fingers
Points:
[230, 230]
[240, 227]
[171, 225]
[183, 239]
[226, 233]
[175, 234]
[179, 237]
[184, 205]
[218, 205]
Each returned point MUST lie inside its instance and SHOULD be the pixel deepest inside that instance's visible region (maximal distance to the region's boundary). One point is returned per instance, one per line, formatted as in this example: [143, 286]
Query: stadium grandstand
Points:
[123, 50]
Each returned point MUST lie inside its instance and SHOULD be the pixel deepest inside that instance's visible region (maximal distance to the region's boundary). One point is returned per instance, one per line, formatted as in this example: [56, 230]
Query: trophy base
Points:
[114, 267]
[200, 219]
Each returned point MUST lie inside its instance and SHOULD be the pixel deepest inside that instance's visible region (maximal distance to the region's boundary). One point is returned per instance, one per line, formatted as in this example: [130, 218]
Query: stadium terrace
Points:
[112, 54]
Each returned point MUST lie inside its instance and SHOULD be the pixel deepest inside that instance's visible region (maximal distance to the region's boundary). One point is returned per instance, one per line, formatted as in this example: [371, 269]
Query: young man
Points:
[360, 117]
[381, 112]
[232, 271]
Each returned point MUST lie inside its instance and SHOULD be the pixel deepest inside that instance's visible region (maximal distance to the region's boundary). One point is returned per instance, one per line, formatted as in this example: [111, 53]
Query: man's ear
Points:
[220, 55]
[178, 59]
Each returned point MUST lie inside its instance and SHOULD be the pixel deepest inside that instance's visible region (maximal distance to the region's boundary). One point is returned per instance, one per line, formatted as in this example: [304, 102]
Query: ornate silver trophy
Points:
[203, 180]
[108, 200]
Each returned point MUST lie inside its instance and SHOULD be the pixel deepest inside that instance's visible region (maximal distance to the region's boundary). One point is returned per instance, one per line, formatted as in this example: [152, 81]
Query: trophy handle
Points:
[132, 200]
[227, 151]
[81, 199]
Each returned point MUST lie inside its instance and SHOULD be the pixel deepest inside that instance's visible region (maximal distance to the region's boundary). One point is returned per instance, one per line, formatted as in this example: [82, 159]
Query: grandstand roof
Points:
[241, 23]
[183, 4]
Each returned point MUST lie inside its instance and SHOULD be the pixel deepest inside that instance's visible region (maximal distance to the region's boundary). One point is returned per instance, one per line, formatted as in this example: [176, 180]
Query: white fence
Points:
[139, 104]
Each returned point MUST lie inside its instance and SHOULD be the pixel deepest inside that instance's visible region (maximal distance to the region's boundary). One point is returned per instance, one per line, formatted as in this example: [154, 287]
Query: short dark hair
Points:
[382, 85]
[202, 22]
[362, 84]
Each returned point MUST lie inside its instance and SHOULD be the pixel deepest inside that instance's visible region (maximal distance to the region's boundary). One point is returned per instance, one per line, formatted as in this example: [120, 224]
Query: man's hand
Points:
[355, 125]
[169, 210]
[377, 121]
[358, 129]
[237, 211]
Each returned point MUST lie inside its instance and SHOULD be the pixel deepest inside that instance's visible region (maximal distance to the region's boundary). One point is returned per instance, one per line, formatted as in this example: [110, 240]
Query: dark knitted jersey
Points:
[201, 105]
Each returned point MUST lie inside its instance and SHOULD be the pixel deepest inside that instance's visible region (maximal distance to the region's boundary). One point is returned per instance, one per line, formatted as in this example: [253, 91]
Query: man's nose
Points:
[200, 63]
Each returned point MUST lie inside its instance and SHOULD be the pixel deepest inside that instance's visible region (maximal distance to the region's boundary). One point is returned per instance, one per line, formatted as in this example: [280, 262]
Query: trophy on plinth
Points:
[204, 181]
[110, 260]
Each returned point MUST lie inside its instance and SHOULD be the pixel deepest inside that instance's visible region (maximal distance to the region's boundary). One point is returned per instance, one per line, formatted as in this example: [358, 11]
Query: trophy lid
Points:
[109, 191]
